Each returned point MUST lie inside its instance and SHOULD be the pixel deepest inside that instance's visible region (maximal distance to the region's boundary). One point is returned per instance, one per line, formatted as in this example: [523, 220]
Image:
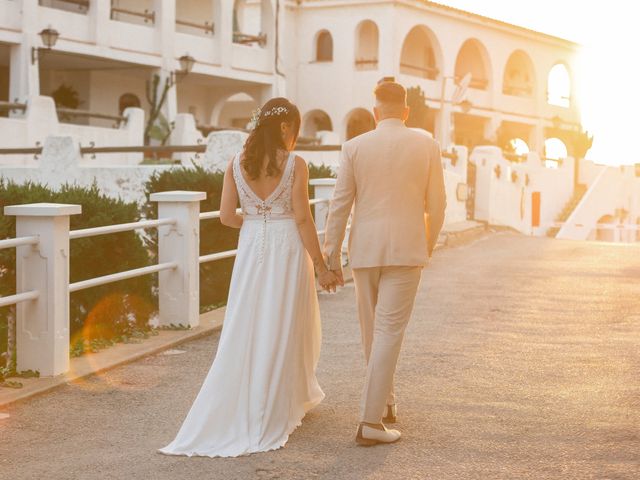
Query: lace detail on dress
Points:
[278, 205]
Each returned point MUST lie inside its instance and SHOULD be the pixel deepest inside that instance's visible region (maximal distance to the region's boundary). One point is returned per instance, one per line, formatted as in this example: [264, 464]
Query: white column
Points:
[322, 189]
[24, 73]
[42, 334]
[225, 32]
[100, 15]
[165, 30]
[180, 243]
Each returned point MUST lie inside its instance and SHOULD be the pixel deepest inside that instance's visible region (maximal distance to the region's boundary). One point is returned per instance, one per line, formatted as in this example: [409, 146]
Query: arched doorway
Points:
[519, 75]
[420, 55]
[519, 147]
[474, 59]
[316, 121]
[128, 100]
[555, 151]
[359, 121]
[367, 46]
[559, 86]
[235, 111]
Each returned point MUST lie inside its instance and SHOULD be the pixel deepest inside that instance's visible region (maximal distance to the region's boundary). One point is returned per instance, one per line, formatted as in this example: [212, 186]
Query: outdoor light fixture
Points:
[49, 38]
[186, 65]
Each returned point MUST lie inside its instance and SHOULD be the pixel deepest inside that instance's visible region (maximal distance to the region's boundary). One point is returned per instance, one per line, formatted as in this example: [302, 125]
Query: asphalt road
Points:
[522, 361]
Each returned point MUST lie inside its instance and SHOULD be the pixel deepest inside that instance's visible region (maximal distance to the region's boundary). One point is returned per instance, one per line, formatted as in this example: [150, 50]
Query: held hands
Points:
[328, 280]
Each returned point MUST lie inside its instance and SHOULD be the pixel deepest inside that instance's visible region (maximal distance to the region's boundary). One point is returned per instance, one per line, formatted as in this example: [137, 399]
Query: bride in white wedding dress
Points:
[262, 381]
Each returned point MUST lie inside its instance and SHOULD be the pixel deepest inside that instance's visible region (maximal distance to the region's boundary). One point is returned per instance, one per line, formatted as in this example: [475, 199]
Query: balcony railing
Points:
[366, 63]
[148, 16]
[420, 71]
[206, 27]
[47, 277]
[82, 5]
[479, 83]
[246, 39]
[518, 89]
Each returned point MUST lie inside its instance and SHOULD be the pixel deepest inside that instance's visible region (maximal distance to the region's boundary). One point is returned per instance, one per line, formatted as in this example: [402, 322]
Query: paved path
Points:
[522, 361]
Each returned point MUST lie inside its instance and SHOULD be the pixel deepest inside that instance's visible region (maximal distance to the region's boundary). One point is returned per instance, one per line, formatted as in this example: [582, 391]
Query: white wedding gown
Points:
[262, 381]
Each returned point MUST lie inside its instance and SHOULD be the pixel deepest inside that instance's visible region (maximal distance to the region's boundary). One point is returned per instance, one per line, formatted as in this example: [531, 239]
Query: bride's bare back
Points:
[265, 185]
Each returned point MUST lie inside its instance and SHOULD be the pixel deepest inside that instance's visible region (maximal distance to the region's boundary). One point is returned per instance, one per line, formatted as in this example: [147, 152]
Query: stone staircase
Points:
[568, 209]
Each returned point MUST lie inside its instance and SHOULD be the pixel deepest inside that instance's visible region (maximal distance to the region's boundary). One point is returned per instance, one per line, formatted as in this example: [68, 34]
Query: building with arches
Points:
[485, 81]
[515, 83]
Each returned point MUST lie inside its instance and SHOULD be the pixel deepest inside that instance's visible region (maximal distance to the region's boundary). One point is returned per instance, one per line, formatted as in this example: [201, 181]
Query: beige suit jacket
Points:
[393, 179]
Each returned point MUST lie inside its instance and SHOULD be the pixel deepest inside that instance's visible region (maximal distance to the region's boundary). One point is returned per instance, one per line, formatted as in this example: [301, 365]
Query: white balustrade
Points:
[42, 269]
[180, 243]
[42, 324]
[322, 192]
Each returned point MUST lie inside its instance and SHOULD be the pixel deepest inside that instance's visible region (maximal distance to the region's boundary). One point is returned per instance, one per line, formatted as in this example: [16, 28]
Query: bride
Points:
[262, 381]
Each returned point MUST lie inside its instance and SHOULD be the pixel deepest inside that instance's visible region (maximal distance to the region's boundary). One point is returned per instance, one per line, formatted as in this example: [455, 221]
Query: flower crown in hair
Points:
[273, 112]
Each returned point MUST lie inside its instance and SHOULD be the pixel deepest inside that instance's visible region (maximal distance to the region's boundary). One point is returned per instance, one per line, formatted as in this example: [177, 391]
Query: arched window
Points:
[128, 100]
[559, 86]
[359, 121]
[519, 76]
[554, 151]
[420, 54]
[474, 59]
[519, 146]
[252, 21]
[367, 46]
[324, 47]
[316, 121]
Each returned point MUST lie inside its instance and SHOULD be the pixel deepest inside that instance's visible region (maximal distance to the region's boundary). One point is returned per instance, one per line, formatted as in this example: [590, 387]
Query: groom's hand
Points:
[339, 277]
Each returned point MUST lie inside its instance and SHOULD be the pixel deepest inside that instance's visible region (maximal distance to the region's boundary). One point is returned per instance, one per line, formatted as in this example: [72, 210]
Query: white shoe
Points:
[368, 436]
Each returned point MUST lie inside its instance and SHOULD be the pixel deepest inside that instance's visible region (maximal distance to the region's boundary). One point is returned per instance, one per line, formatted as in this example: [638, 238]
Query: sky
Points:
[608, 80]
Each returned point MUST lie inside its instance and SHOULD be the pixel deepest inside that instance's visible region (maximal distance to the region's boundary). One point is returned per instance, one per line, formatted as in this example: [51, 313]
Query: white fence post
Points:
[42, 326]
[180, 243]
[322, 189]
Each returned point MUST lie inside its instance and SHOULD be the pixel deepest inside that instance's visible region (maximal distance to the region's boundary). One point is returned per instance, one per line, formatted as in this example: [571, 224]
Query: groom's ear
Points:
[405, 114]
[376, 114]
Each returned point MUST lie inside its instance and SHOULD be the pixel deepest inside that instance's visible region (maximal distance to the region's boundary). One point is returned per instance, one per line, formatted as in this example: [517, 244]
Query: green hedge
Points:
[214, 237]
[112, 310]
[92, 314]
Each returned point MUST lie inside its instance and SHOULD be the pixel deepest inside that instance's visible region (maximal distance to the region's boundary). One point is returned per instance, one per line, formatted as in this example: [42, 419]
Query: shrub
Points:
[214, 237]
[89, 257]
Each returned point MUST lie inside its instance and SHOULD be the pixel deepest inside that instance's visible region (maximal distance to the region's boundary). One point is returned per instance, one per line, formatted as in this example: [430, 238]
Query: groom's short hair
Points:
[391, 92]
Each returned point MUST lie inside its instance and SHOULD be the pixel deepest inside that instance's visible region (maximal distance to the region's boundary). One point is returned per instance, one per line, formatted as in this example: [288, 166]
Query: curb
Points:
[120, 354]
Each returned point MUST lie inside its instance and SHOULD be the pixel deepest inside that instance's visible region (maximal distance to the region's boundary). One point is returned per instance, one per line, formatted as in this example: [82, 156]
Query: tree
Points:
[419, 114]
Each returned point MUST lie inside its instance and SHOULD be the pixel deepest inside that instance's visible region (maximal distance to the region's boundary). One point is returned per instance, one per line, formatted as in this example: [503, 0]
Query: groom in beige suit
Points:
[392, 178]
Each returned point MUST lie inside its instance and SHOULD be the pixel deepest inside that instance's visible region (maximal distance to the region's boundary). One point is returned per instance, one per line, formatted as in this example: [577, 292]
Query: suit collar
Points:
[390, 122]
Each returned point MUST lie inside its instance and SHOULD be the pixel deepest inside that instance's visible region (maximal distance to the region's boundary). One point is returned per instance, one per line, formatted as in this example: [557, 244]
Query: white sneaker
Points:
[368, 436]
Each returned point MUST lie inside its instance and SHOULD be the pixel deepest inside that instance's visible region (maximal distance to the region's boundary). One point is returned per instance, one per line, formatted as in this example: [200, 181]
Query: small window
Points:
[324, 47]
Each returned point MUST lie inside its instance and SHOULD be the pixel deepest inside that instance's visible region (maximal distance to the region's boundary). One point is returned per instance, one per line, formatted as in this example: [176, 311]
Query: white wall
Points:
[40, 121]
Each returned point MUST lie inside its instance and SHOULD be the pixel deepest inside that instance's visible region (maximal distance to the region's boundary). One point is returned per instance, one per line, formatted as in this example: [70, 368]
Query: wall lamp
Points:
[49, 38]
[186, 65]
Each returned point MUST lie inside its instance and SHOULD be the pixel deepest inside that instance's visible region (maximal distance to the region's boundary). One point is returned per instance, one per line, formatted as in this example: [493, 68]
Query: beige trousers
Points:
[385, 297]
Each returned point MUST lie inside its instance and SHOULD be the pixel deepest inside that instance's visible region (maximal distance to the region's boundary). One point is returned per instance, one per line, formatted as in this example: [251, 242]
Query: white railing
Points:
[42, 269]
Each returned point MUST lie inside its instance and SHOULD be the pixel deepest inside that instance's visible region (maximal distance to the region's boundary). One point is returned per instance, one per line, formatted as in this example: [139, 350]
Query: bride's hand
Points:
[328, 280]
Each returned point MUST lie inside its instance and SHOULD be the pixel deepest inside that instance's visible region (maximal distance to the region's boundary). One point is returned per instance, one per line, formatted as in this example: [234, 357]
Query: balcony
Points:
[73, 6]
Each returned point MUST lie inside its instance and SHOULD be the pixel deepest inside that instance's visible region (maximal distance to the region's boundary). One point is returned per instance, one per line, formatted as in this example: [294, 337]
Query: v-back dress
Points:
[262, 381]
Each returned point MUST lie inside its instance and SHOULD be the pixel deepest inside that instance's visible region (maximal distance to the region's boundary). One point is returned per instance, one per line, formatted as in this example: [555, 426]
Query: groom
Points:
[394, 175]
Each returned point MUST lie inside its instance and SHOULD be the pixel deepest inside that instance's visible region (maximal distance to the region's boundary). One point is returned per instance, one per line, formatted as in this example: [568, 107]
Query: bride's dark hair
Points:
[266, 137]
